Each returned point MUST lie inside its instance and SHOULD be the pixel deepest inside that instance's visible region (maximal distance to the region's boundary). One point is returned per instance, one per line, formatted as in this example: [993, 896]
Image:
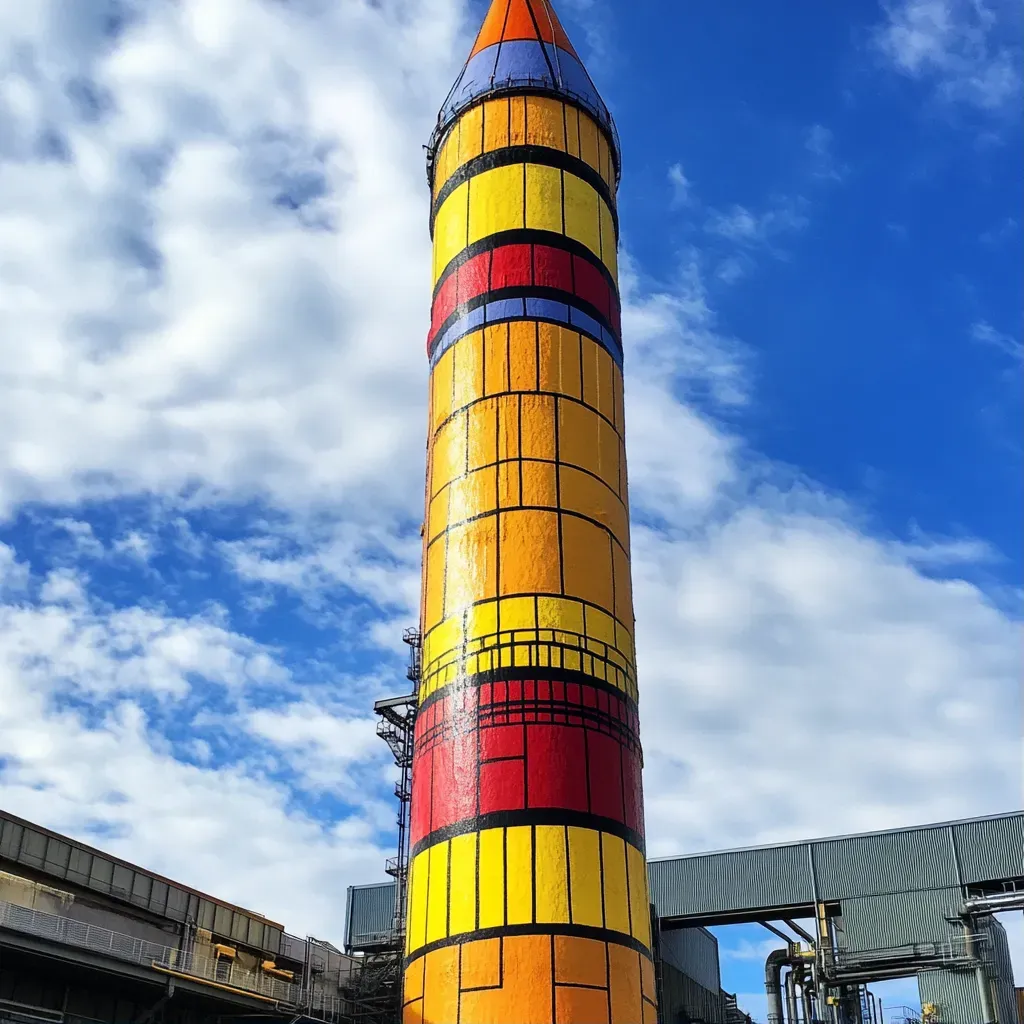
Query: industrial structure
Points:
[902, 903]
[521, 893]
[527, 890]
[87, 937]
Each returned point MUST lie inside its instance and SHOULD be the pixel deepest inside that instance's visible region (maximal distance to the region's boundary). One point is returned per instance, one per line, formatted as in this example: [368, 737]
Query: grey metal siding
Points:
[681, 999]
[1000, 969]
[991, 849]
[694, 951]
[899, 919]
[883, 863]
[734, 881]
[369, 914]
[954, 992]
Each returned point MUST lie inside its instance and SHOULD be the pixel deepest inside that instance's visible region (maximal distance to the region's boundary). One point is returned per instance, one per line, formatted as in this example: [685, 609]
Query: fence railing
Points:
[147, 954]
[957, 950]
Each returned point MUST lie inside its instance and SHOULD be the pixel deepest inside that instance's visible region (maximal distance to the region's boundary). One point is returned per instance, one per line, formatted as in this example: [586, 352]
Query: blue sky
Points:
[213, 295]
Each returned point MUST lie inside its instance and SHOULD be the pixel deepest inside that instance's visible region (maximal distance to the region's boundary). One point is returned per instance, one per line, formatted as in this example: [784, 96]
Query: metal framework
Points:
[398, 719]
[375, 996]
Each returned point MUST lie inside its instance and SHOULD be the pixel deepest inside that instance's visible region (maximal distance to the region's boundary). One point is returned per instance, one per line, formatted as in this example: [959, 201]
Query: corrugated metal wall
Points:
[886, 862]
[1001, 971]
[865, 865]
[682, 1001]
[694, 951]
[899, 919]
[369, 913]
[719, 882]
[954, 992]
[991, 849]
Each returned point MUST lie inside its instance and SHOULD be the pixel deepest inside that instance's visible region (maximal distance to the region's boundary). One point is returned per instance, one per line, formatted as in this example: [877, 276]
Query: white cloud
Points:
[682, 187]
[1014, 925]
[985, 334]
[168, 319]
[747, 950]
[83, 539]
[746, 228]
[777, 639]
[134, 545]
[819, 141]
[323, 747]
[969, 49]
[746, 233]
[66, 642]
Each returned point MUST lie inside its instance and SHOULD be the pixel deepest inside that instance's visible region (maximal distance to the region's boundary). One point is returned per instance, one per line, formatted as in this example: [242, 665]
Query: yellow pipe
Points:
[213, 984]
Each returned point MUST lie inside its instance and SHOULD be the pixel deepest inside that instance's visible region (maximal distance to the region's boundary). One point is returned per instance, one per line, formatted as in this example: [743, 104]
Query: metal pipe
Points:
[809, 1001]
[775, 931]
[824, 944]
[988, 1013]
[1003, 901]
[806, 983]
[791, 1014]
[806, 936]
[773, 985]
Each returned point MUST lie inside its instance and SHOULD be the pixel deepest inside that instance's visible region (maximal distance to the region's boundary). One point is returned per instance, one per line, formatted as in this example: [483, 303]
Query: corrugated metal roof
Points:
[694, 951]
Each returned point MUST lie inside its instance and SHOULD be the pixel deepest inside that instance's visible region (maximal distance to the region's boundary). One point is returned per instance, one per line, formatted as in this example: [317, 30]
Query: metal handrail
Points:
[130, 949]
[510, 639]
[511, 86]
[961, 948]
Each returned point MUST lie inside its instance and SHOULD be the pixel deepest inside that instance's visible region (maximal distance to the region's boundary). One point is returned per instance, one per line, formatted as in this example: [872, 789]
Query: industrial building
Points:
[85, 936]
[912, 902]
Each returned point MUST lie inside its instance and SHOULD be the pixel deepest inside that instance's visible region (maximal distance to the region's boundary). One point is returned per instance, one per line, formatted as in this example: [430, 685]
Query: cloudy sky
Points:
[214, 288]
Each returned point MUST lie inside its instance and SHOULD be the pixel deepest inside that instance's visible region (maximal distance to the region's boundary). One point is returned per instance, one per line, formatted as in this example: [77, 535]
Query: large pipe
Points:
[988, 1013]
[805, 981]
[791, 1005]
[773, 984]
[809, 996]
[988, 904]
[824, 949]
